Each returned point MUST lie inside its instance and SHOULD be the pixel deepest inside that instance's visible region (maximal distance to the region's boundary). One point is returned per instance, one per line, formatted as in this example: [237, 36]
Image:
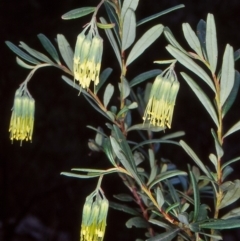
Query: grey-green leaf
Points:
[218, 146]
[233, 129]
[23, 64]
[201, 33]
[108, 94]
[232, 96]
[166, 236]
[234, 213]
[221, 224]
[138, 222]
[65, 50]
[191, 65]
[123, 208]
[46, 43]
[211, 43]
[103, 77]
[128, 4]
[144, 42]
[78, 13]
[146, 127]
[192, 39]
[228, 74]
[129, 29]
[202, 97]
[112, 42]
[21, 54]
[124, 88]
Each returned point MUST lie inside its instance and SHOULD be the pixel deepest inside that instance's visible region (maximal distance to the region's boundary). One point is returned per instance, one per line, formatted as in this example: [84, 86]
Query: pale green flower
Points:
[87, 59]
[94, 218]
[159, 110]
[22, 119]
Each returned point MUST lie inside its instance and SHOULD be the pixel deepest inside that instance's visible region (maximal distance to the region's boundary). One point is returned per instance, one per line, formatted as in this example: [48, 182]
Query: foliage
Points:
[169, 203]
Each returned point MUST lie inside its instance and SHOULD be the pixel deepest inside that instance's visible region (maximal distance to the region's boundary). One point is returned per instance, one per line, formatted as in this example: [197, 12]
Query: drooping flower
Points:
[87, 58]
[22, 119]
[159, 110]
[94, 218]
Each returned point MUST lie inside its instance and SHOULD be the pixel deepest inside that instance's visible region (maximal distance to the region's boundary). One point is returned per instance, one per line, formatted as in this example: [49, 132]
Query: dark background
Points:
[36, 203]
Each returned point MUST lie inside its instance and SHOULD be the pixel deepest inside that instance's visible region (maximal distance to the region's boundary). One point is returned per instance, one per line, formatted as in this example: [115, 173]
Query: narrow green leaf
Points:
[48, 46]
[166, 175]
[129, 29]
[191, 65]
[106, 26]
[138, 222]
[112, 42]
[167, 236]
[156, 15]
[124, 197]
[78, 13]
[221, 224]
[146, 127]
[231, 98]
[218, 146]
[144, 42]
[128, 4]
[201, 33]
[195, 158]
[202, 97]
[228, 74]
[230, 162]
[192, 39]
[23, 64]
[195, 195]
[103, 77]
[153, 166]
[226, 172]
[160, 197]
[65, 50]
[234, 213]
[108, 94]
[123, 208]
[35, 53]
[21, 54]
[144, 76]
[172, 40]
[237, 55]
[211, 43]
[233, 129]
[214, 160]
[125, 88]
[231, 196]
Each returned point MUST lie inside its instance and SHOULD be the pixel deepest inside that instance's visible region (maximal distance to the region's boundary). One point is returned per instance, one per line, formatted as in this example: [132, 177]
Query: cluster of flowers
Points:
[94, 217]
[22, 119]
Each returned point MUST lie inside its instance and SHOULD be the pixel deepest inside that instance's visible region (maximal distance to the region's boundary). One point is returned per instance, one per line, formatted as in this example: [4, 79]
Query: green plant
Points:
[169, 202]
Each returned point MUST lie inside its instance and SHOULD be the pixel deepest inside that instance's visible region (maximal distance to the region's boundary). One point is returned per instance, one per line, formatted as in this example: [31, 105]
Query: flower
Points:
[159, 110]
[94, 218]
[22, 119]
[87, 59]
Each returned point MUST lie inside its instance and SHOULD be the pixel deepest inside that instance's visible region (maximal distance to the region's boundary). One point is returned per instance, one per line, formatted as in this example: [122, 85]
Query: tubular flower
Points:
[94, 218]
[87, 59]
[22, 119]
[159, 110]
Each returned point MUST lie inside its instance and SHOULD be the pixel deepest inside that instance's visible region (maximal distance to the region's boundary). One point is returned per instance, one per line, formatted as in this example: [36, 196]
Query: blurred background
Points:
[36, 202]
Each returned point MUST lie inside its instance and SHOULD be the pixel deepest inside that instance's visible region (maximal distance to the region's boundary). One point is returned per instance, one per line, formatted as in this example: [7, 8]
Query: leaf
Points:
[78, 13]
[191, 65]
[112, 42]
[23, 64]
[128, 4]
[231, 196]
[65, 50]
[226, 172]
[202, 97]
[48, 46]
[159, 223]
[105, 26]
[237, 55]
[214, 160]
[228, 74]
[211, 43]
[167, 236]
[123, 208]
[233, 129]
[166, 175]
[160, 197]
[231, 98]
[218, 146]
[192, 39]
[21, 54]
[221, 224]
[103, 77]
[230, 162]
[138, 222]
[201, 33]
[124, 197]
[35, 53]
[144, 42]
[144, 76]
[146, 127]
[129, 29]
[156, 15]
[195, 158]
[234, 213]
[108, 94]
